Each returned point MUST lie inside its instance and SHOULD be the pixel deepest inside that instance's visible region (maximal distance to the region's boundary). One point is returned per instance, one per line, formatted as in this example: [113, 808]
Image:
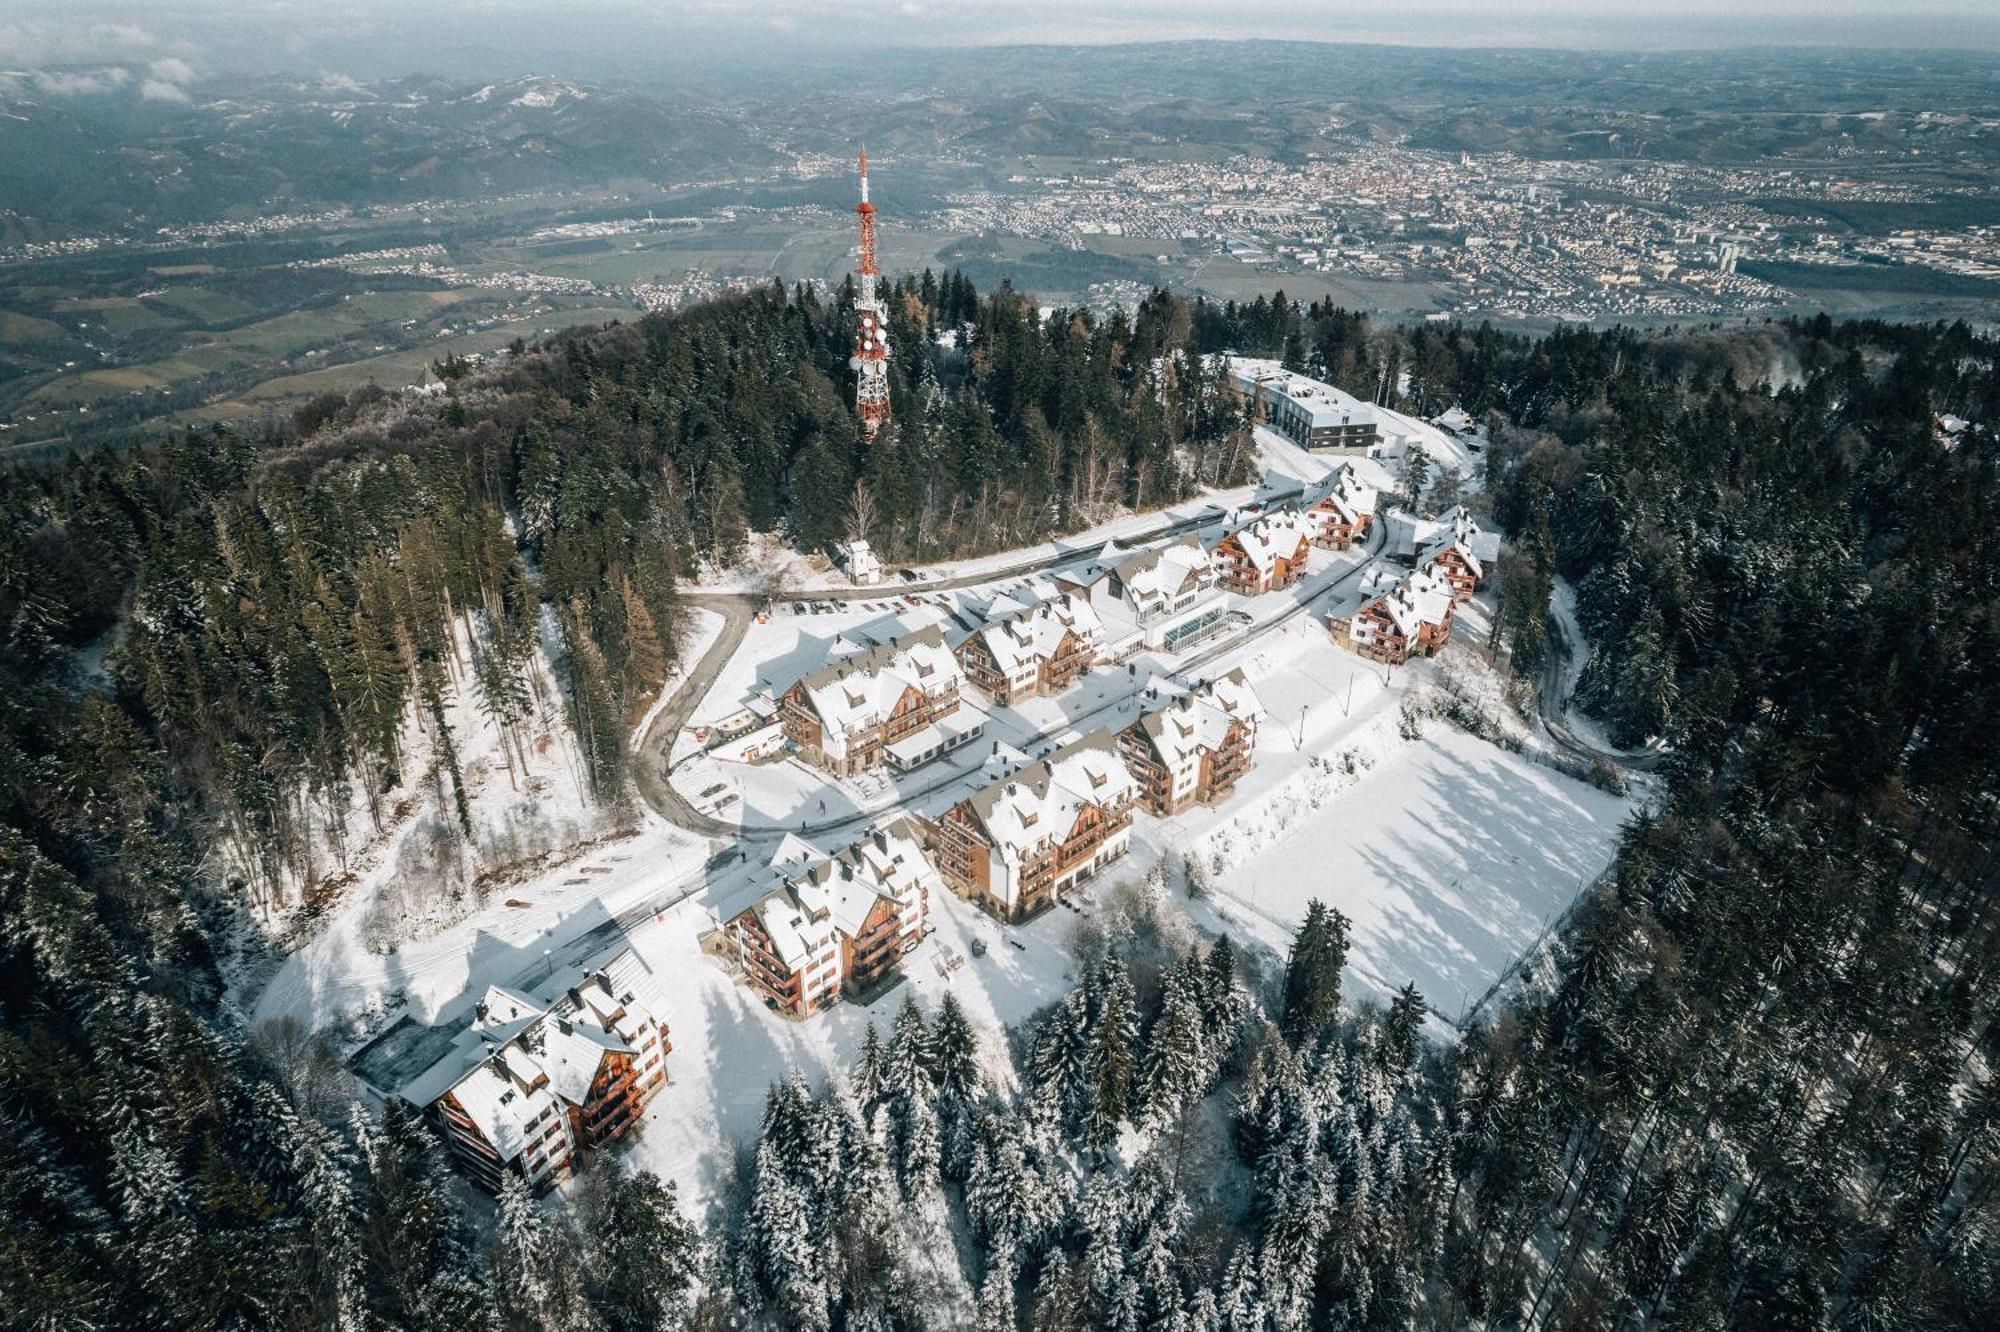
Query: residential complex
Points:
[845, 717]
[531, 1083]
[1194, 749]
[1013, 847]
[835, 925]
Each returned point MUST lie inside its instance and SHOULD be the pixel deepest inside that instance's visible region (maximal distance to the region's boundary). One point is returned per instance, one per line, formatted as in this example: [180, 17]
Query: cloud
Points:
[171, 70]
[44, 43]
[81, 83]
[159, 90]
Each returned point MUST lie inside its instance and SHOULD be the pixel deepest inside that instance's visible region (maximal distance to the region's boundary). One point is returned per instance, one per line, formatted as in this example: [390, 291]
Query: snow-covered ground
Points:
[1449, 856]
[770, 563]
[336, 981]
[729, 1048]
[791, 795]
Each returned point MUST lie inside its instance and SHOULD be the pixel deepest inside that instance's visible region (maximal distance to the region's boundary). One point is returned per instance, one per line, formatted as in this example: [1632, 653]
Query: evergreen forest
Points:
[1749, 1084]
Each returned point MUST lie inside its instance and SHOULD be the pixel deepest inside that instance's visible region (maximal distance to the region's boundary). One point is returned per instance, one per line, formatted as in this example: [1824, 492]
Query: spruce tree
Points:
[1312, 973]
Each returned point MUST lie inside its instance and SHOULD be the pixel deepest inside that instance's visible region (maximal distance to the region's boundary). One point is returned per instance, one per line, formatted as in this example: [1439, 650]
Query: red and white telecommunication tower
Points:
[871, 334]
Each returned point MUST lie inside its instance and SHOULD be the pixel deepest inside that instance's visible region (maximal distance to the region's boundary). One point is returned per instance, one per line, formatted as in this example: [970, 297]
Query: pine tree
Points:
[954, 1052]
[907, 1072]
[1113, 1056]
[1179, 1065]
[1312, 973]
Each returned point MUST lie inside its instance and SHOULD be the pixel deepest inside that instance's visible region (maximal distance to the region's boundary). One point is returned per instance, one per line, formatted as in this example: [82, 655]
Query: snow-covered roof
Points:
[1271, 537]
[1419, 598]
[1200, 719]
[860, 691]
[1321, 404]
[521, 1056]
[1022, 813]
[947, 732]
[821, 897]
[1344, 491]
[1155, 578]
[1031, 636]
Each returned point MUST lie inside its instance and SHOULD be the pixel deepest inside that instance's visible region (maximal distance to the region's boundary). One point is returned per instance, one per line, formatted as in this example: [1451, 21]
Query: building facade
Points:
[531, 1083]
[1317, 417]
[1164, 600]
[1197, 747]
[1016, 846]
[1412, 619]
[1266, 554]
[843, 717]
[1033, 653]
[1340, 509]
[837, 925]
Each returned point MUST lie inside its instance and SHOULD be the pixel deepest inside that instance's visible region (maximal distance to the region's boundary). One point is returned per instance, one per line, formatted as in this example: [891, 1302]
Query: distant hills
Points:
[118, 159]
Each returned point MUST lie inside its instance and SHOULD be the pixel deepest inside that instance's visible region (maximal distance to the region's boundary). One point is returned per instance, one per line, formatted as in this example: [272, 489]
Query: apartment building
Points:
[1266, 554]
[1014, 847]
[844, 717]
[1317, 417]
[1196, 747]
[1412, 619]
[531, 1083]
[1033, 653]
[1339, 508]
[835, 925]
[1165, 599]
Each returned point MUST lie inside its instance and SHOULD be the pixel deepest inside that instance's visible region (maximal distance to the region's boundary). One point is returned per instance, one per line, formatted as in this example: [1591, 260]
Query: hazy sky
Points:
[582, 37]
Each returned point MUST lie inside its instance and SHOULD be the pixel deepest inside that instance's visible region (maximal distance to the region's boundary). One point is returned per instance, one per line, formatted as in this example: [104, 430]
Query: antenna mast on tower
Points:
[870, 361]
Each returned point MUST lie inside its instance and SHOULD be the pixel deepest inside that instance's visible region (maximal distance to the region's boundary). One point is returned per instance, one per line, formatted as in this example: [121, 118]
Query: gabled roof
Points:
[862, 690]
[1034, 635]
[1200, 719]
[1272, 537]
[821, 897]
[1419, 598]
[1160, 574]
[1043, 800]
[521, 1056]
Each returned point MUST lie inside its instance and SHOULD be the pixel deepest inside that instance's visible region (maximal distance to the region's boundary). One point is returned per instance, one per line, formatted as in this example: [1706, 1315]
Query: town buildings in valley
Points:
[1195, 748]
[532, 1083]
[835, 925]
[1033, 653]
[1411, 619]
[846, 717]
[1014, 847]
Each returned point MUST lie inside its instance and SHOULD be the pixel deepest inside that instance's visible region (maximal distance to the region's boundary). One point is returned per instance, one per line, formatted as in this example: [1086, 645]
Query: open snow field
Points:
[1450, 858]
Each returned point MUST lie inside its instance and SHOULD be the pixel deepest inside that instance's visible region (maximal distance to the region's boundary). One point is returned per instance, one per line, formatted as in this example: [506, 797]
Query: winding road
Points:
[1553, 705]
